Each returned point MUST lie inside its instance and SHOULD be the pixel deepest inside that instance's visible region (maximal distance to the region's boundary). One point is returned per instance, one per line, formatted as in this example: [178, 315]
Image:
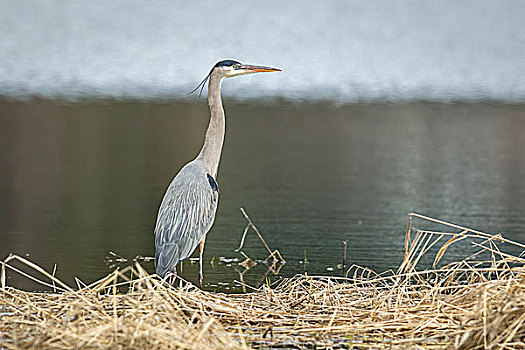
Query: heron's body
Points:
[186, 214]
[187, 211]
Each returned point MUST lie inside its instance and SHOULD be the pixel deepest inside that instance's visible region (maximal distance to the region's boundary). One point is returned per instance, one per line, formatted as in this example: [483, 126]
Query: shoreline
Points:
[478, 301]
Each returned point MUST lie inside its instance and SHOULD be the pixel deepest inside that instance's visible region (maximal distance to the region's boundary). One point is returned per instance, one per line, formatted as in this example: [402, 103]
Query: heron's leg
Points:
[201, 250]
[171, 277]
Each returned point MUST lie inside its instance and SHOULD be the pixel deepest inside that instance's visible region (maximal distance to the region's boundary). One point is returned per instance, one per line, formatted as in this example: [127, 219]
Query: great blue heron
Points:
[188, 208]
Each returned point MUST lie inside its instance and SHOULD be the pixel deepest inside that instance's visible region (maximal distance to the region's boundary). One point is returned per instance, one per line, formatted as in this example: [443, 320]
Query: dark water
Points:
[80, 180]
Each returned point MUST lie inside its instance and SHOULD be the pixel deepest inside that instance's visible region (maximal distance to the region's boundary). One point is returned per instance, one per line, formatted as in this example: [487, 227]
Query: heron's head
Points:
[232, 68]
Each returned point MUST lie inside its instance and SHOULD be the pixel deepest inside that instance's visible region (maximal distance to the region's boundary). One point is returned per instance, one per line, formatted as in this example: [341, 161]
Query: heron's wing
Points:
[185, 216]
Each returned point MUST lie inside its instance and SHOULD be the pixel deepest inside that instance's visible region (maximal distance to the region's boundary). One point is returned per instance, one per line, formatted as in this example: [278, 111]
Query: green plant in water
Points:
[131, 281]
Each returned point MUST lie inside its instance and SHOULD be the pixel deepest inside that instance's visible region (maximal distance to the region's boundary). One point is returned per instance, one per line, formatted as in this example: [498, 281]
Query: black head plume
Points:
[202, 84]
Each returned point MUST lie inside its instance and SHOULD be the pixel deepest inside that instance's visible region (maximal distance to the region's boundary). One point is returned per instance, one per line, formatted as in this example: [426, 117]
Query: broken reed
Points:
[474, 303]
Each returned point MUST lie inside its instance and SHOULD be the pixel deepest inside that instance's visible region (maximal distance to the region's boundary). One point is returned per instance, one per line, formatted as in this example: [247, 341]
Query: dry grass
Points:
[475, 302]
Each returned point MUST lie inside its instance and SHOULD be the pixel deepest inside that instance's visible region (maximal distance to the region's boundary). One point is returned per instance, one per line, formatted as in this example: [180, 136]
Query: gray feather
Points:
[185, 215]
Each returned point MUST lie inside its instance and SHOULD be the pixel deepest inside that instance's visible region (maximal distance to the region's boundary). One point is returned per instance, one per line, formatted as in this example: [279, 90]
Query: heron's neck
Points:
[211, 150]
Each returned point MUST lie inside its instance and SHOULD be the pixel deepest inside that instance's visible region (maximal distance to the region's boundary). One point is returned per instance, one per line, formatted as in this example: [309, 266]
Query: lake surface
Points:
[78, 180]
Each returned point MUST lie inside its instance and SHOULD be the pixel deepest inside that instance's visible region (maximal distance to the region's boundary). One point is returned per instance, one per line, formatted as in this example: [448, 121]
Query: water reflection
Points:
[80, 180]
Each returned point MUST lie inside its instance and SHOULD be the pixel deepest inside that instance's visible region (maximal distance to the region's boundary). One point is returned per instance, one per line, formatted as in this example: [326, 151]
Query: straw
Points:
[477, 302]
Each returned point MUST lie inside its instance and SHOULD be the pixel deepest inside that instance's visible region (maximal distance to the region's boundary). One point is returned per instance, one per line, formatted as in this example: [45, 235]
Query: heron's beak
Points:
[255, 69]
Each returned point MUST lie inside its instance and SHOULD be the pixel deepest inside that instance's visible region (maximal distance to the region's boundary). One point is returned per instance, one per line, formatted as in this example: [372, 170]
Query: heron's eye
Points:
[235, 66]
